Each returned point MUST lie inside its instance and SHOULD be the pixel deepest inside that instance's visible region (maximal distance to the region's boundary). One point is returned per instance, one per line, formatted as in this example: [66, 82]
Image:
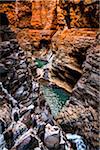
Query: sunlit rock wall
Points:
[33, 20]
[81, 14]
[37, 20]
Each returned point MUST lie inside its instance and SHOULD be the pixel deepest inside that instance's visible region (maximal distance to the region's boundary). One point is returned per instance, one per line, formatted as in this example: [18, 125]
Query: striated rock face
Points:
[81, 113]
[70, 48]
[37, 21]
[5, 109]
[15, 72]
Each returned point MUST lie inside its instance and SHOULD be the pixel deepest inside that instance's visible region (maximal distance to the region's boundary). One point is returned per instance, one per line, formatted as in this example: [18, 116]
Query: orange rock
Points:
[39, 19]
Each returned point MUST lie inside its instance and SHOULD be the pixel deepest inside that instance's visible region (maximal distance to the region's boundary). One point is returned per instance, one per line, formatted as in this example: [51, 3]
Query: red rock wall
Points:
[81, 14]
[39, 19]
[32, 21]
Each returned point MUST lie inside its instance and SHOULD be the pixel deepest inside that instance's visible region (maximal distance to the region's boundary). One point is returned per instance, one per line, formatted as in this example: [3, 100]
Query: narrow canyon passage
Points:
[49, 75]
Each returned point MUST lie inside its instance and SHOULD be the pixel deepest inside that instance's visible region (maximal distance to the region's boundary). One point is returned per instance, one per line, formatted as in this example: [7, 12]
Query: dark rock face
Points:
[15, 72]
[5, 109]
[81, 114]
[6, 34]
[17, 91]
[5, 31]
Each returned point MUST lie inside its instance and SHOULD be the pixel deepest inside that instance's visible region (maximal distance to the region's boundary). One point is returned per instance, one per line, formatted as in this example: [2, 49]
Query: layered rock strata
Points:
[34, 21]
[38, 22]
[15, 72]
[70, 48]
[80, 115]
[5, 109]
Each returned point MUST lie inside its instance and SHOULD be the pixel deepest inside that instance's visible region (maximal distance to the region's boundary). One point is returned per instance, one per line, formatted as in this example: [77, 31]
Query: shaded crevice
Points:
[5, 31]
[44, 44]
[3, 19]
[68, 17]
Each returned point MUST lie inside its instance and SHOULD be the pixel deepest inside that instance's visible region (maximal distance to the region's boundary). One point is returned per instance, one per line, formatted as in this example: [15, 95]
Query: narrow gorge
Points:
[49, 74]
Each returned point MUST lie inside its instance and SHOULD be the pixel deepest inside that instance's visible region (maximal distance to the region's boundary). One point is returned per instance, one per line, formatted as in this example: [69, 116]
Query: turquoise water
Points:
[55, 97]
[40, 63]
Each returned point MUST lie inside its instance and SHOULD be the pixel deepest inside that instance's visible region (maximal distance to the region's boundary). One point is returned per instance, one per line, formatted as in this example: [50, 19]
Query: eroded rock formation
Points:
[15, 72]
[37, 20]
[81, 14]
[70, 48]
[33, 20]
[26, 121]
[81, 114]
[44, 25]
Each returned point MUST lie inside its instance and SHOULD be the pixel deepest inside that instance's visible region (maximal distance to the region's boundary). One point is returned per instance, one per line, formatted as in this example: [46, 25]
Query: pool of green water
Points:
[56, 97]
[40, 63]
